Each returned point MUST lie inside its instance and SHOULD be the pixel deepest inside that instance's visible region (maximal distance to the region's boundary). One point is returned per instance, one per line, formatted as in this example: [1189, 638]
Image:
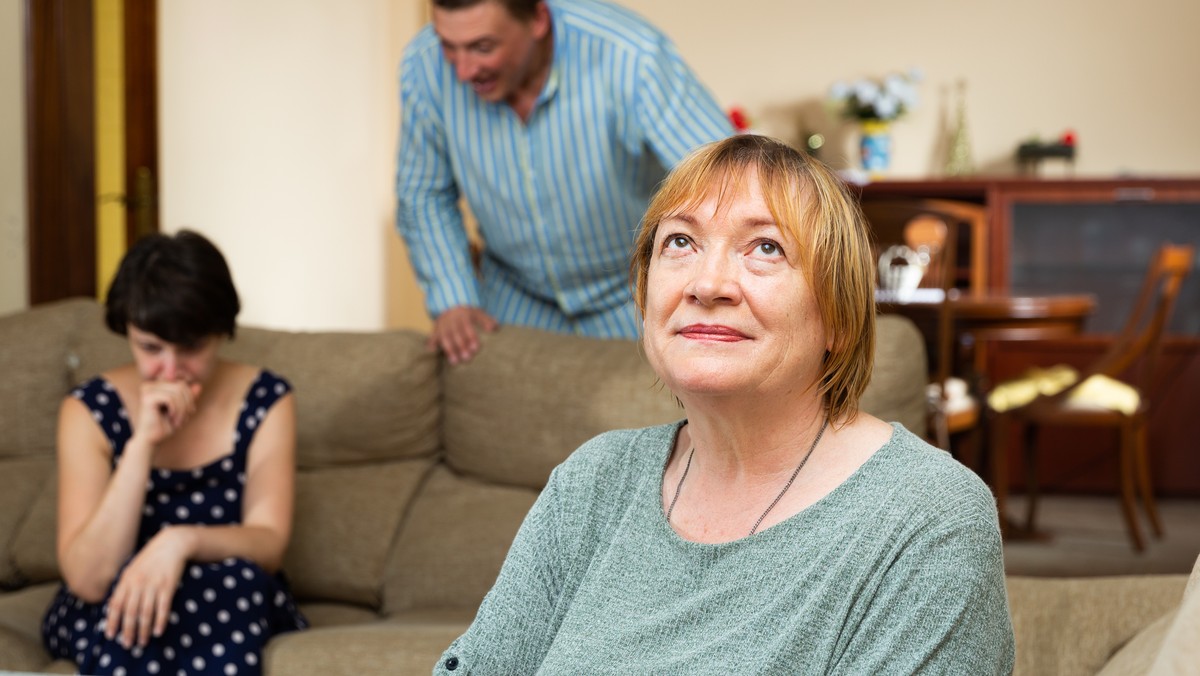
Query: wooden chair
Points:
[1135, 352]
[934, 226]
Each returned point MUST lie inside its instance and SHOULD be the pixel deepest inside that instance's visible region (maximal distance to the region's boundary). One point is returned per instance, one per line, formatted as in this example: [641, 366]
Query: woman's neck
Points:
[745, 443]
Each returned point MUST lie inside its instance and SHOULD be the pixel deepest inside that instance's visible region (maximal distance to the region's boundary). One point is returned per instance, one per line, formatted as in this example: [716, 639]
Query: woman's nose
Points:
[715, 279]
[169, 366]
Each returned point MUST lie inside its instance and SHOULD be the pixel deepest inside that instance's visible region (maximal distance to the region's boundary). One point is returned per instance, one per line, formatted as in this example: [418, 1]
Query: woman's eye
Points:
[677, 242]
[769, 248]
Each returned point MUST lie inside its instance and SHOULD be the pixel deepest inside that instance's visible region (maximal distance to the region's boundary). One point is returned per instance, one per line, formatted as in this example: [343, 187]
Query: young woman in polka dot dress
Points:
[176, 483]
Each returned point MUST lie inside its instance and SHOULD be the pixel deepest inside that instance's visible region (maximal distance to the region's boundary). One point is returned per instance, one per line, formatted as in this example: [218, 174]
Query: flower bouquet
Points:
[884, 100]
[874, 104]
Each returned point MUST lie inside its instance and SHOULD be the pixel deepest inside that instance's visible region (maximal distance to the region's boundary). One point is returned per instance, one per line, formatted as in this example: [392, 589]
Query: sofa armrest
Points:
[1074, 626]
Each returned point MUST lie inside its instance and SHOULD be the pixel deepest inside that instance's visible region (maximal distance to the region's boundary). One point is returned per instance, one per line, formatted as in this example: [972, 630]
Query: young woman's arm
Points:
[99, 508]
[141, 602]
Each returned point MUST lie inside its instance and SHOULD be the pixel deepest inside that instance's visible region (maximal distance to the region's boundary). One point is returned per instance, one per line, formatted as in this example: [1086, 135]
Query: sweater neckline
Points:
[670, 435]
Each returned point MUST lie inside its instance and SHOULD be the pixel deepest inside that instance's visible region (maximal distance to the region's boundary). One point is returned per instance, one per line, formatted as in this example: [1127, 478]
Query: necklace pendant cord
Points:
[786, 486]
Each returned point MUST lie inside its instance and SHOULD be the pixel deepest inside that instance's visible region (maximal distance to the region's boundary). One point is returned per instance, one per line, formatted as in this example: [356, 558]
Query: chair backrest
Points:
[1142, 335]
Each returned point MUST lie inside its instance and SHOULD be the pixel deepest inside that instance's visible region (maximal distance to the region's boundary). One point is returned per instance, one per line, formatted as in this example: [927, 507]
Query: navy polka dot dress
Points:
[222, 613]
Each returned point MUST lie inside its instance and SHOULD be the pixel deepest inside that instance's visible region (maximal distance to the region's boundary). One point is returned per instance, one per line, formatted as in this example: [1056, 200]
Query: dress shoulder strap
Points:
[107, 409]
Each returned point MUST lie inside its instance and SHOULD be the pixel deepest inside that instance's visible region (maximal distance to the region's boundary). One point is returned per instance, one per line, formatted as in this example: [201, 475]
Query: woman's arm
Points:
[942, 607]
[141, 602]
[99, 508]
[267, 502]
[518, 618]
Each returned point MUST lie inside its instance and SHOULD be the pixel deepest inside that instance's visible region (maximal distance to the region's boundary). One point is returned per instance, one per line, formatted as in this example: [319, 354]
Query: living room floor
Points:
[1086, 536]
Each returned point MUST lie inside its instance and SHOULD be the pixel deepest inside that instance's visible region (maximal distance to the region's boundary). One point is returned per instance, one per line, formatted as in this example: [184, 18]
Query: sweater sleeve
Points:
[942, 607]
[519, 617]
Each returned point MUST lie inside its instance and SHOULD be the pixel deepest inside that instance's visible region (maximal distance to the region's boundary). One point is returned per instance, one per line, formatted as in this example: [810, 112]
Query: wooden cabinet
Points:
[1086, 236]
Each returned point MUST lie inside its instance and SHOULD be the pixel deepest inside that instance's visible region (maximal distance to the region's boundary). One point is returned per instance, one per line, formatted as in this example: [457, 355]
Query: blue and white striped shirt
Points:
[558, 198]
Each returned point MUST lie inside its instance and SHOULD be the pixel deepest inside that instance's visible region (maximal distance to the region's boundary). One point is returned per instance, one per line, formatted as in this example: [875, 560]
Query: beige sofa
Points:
[413, 478]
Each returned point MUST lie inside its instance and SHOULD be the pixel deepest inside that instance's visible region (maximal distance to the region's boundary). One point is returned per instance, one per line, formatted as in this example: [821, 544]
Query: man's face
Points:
[490, 49]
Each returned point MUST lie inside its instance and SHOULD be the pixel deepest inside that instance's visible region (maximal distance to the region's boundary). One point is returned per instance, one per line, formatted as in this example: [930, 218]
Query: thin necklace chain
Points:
[774, 502]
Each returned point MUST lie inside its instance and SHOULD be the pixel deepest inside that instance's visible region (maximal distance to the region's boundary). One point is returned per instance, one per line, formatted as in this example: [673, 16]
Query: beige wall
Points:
[278, 140]
[1121, 74]
[13, 268]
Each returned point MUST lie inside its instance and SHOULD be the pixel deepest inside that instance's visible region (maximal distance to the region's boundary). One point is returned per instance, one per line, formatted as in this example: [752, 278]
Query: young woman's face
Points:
[158, 359]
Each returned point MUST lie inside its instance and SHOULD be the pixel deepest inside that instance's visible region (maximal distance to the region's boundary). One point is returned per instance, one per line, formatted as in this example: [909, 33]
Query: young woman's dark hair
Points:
[177, 287]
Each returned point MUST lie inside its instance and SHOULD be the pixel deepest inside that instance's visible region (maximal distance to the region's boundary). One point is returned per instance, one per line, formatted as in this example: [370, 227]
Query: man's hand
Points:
[454, 332]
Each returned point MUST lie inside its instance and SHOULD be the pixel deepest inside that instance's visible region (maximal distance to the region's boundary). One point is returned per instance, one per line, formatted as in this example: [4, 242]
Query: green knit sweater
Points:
[898, 570]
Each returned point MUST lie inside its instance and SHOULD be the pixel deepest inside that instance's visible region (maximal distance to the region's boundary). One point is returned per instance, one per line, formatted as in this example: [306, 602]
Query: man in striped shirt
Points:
[555, 119]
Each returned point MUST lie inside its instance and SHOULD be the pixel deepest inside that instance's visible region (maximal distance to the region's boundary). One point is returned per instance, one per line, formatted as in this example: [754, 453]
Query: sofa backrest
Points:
[412, 477]
[524, 403]
[37, 356]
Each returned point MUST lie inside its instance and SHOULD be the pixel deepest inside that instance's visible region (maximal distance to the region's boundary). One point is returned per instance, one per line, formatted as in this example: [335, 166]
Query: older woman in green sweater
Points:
[778, 528]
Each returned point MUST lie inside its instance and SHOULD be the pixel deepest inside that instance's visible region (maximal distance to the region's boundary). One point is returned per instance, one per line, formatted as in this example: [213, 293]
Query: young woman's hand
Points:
[165, 407]
[141, 602]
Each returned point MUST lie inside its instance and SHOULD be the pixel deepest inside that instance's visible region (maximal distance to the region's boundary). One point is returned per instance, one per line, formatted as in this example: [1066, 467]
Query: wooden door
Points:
[61, 119]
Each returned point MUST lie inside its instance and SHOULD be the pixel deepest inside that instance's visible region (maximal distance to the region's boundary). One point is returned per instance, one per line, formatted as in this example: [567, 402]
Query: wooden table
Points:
[994, 316]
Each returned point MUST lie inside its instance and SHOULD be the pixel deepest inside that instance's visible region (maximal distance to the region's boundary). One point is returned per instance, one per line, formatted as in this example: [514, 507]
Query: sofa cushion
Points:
[897, 388]
[452, 543]
[360, 397]
[344, 522]
[93, 348]
[20, 654]
[1180, 651]
[1074, 626]
[20, 481]
[1138, 653]
[495, 422]
[20, 634]
[380, 648]
[34, 548]
[33, 359]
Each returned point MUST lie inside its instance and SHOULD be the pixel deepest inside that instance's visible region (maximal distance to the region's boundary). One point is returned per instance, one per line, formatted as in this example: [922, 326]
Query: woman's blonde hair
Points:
[825, 226]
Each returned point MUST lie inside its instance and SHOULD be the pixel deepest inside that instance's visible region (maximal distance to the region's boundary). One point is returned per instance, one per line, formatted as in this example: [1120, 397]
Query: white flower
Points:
[839, 90]
[886, 107]
[866, 91]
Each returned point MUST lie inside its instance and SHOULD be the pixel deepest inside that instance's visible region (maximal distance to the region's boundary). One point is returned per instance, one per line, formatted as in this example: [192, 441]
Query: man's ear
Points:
[540, 23]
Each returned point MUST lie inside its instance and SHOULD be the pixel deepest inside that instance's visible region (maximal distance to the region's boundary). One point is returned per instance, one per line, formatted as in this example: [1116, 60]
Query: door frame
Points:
[61, 139]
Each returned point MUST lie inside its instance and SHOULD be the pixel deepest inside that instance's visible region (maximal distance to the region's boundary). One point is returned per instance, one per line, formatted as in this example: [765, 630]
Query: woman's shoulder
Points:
[105, 388]
[930, 477]
[266, 382]
[612, 455]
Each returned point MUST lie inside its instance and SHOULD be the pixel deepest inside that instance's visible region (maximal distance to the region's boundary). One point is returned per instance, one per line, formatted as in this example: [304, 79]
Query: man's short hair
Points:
[521, 10]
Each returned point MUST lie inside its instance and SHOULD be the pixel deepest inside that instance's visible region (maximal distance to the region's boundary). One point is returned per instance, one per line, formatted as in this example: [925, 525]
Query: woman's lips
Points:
[718, 333]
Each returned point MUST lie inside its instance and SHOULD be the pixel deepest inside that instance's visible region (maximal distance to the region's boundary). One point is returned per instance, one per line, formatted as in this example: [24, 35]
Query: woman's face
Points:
[158, 359]
[728, 310]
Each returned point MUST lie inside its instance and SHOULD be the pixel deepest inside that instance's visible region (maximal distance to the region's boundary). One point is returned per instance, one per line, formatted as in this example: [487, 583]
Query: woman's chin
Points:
[706, 384]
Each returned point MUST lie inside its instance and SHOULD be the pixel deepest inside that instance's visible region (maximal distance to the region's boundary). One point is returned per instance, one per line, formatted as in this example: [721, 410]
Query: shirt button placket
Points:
[538, 220]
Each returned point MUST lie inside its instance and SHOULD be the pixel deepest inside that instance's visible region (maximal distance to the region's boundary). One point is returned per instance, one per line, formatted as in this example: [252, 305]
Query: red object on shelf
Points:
[1068, 138]
[739, 119]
